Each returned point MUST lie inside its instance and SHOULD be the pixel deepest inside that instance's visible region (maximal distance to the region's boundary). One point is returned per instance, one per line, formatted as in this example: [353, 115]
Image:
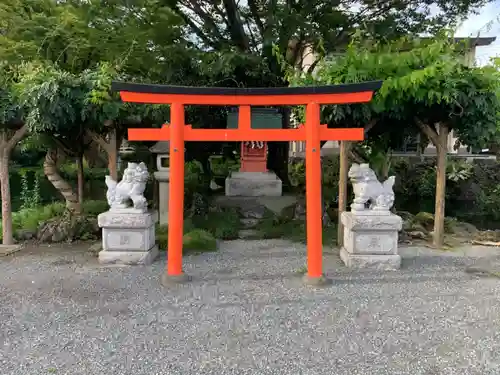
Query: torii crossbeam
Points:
[312, 132]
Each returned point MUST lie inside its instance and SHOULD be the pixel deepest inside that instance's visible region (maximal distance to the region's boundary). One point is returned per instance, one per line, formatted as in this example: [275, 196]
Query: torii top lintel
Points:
[166, 94]
[312, 96]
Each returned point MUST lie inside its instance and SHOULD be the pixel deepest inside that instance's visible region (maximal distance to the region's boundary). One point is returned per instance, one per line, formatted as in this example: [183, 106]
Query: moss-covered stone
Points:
[425, 219]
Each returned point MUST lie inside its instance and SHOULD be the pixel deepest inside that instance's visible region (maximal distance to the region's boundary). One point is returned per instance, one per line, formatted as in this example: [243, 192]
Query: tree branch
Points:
[64, 147]
[428, 131]
[197, 30]
[255, 14]
[356, 157]
[99, 140]
[313, 65]
[17, 136]
[236, 29]
[370, 125]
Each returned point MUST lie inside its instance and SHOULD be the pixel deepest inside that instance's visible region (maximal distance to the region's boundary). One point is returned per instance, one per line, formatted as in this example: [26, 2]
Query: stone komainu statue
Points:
[132, 187]
[369, 190]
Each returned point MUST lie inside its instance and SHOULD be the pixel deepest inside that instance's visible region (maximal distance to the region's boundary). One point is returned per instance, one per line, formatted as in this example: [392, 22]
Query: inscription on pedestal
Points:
[125, 241]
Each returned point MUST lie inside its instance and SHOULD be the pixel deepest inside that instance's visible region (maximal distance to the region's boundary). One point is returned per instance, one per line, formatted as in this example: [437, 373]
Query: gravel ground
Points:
[245, 312]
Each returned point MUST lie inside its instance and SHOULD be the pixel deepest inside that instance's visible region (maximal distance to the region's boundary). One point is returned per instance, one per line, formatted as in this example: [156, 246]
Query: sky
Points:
[479, 23]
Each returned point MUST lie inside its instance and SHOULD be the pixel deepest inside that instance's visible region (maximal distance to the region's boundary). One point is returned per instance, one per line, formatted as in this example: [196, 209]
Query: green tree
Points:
[53, 103]
[275, 31]
[143, 36]
[427, 89]
[12, 130]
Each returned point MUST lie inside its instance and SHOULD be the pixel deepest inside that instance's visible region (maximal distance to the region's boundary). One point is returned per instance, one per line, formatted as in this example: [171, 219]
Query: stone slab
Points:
[127, 220]
[366, 242]
[370, 261]
[372, 222]
[275, 204]
[253, 184]
[261, 176]
[136, 239]
[9, 249]
[129, 257]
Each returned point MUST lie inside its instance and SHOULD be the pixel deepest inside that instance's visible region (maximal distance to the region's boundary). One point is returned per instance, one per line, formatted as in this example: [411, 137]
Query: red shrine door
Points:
[312, 132]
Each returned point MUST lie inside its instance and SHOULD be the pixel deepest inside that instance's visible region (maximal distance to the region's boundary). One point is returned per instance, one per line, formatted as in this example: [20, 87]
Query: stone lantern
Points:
[162, 175]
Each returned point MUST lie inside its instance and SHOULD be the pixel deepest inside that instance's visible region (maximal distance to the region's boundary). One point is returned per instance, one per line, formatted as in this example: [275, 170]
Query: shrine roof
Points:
[245, 91]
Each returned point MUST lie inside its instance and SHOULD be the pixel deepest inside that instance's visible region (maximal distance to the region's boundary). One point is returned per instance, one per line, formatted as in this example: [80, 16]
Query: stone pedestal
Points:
[253, 184]
[163, 178]
[128, 236]
[371, 240]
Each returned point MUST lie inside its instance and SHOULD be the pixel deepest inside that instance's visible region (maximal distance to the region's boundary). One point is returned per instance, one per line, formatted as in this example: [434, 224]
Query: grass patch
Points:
[222, 223]
[302, 270]
[199, 241]
[271, 227]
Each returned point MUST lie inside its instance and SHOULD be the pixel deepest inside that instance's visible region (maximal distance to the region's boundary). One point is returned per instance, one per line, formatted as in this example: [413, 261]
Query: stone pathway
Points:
[247, 312]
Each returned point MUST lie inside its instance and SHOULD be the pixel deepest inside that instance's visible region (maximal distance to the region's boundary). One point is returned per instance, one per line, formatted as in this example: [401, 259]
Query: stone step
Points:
[248, 234]
[249, 222]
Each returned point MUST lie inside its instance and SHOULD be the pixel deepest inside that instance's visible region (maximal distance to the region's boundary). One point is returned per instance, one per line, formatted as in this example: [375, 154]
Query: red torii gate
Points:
[312, 132]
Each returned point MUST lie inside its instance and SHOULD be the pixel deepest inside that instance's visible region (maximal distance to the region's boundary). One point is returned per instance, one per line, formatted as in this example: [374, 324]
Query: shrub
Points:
[199, 240]
[162, 233]
[95, 207]
[272, 226]
[29, 219]
[223, 223]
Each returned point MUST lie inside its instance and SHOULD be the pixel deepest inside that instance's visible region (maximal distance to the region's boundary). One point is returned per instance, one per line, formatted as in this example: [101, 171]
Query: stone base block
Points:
[128, 232]
[253, 184]
[370, 261]
[371, 234]
[131, 258]
[316, 281]
[168, 280]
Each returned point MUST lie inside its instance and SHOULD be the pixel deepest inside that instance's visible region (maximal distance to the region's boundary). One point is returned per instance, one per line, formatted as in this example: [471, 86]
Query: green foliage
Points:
[423, 83]
[43, 192]
[199, 241]
[28, 219]
[223, 223]
[52, 98]
[272, 226]
[330, 177]
[30, 197]
[92, 208]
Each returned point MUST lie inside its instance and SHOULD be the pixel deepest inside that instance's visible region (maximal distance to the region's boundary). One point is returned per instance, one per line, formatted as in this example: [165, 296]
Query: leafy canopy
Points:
[423, 83]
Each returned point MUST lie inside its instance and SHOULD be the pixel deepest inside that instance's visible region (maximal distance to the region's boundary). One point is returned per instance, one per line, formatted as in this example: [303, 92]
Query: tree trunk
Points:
[81, 181]
[7, 233]
[342, 201]
[94, 156]
[439, 212]
[439, 138]
[7, 144]
[50, 170]
[113, 155]
[386, 166]
[111, 149]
